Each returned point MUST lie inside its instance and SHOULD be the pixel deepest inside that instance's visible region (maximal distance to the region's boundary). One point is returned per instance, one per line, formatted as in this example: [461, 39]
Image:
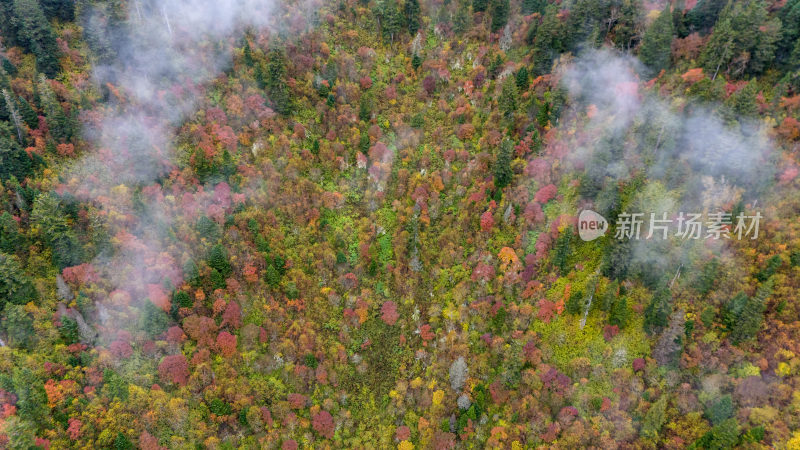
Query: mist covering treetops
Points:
[262, 224]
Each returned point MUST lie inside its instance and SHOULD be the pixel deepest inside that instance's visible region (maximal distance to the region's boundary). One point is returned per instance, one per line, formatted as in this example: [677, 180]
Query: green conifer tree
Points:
[508, 97]
[575, 303]
[499, 11]
[11, 240]
[533, 6]
[548, 42]
[502, 165]
[657, 313]
[462, 17]
[412, 14]
[657, 41]
[752, 315]
[620, 313]
[275, 82]
[28, 114]
[522, 80]
[36, 35]
[15, 162]
[15, 287]
[218, 259]
[390, 19]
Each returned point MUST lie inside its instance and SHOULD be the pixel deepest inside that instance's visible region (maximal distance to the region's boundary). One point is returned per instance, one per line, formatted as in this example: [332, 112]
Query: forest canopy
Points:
[399, 224]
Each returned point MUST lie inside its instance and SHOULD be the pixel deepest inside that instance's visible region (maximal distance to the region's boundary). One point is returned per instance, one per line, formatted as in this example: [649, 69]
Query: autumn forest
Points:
[410, 224]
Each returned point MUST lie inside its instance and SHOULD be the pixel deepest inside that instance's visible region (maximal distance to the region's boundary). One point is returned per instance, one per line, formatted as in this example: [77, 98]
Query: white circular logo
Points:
[591, 225]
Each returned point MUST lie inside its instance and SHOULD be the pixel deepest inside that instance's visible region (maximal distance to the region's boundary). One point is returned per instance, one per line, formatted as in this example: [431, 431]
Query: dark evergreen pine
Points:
[620, 313]
[153, 320]
[752, 315]
[563, 247]
[121, 442]
[36, 35]
[587, 23]
[499, 12]
[720, 48]
[742, 29]
[575, 303]
[275, 82]
[609, 296]
[218, 260]
[62, 126]
[508, 98]
[462, 17]
[412, 13]
[522, 79]
[626, 30]
[272, 276]
[28, 114]
[616, 259]
[707, 277]
[15, 286]
[27, 387]
[743, 104]
[657, 313]
[63, 10]
[495, 66]
[67, 250]
[548, 42]
[191, 272]
[705, 14]
[788, 52]
[99, 30]
[365, 110]
[502, 166]
[657, 41]
[10, 28]
[11, 240]
[247, 54]
[731, 311]
[679, 22]
[182, 299]
[390, 19]
[15, 161]
[533, 6]
[416, 61]
[720, 409]
[9, 68]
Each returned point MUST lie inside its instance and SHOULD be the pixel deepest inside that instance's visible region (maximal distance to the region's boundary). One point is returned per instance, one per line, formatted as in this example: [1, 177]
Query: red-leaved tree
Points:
[323, 424]
[174, 369]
